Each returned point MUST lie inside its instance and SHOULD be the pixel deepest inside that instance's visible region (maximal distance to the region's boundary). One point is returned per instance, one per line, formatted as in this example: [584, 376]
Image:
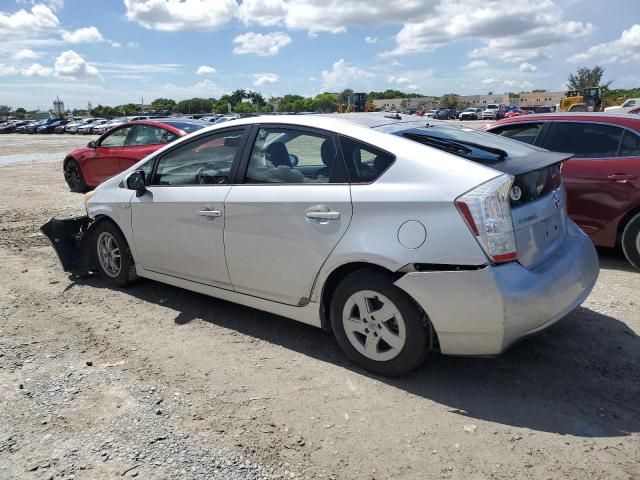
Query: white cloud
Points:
[55, 5]
[371, 39]
[622, 50]
[413, 86]
[175, 15]
[26, 54]
[6, 70]
[527, 67]
[116, 44]
[262, 79]
[205, 70]
[259, 44]
[490, 81]
[204, 88]
[83, 35]
[37, 70]
[264, 12]
[26, 24]
[341, 74]
[510, 83]
[137, 68]
[475, 64]
[506, 31]
[133, 44]
[399, 80]
[70, 64]
[526, 85]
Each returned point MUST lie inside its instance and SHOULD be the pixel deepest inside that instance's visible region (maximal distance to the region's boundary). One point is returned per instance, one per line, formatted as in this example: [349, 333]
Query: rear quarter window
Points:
[364, 162]
[630, 146]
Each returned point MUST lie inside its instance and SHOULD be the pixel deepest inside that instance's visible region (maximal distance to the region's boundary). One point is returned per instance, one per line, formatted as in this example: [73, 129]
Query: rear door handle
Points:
[622, 177]
[321, 214]
[210, 213]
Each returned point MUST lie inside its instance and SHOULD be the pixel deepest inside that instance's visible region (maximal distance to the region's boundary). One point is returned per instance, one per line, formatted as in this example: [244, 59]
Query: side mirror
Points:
[136, 181]
[293, 159]
[92, 144]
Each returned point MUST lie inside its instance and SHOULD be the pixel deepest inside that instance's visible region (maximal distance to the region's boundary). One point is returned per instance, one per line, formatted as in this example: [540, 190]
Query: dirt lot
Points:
[159, 383]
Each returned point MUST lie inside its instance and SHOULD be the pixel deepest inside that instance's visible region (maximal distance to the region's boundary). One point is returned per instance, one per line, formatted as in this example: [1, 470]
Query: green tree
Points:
[163, 104]
[587, 77]
[5, 110]
[244, 107]
[450, 100]
[325, 102]
[257, 100]
[20, 113]
[343, 96]
[237, 96]
[292, 103]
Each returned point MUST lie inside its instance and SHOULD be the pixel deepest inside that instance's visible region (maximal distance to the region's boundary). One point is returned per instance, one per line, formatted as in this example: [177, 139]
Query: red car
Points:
[119, 148]
[602, 178]
[515, 113]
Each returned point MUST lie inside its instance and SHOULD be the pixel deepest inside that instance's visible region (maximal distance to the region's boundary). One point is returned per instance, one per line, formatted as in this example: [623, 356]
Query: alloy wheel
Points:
[374, 325]
[109, 254]
[72, 175]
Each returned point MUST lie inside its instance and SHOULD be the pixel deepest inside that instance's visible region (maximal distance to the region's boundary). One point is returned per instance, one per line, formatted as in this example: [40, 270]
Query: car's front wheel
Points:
[631, 241]
[74, 177]
[378, 326]
[111, 255]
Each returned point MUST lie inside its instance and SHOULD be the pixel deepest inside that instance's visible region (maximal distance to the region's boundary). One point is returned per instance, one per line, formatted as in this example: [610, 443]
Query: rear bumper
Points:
[483, 312]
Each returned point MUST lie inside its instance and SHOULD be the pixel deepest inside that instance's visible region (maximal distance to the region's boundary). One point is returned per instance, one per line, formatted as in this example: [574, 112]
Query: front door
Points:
[108, 154]
[284, 221]
[178, 224]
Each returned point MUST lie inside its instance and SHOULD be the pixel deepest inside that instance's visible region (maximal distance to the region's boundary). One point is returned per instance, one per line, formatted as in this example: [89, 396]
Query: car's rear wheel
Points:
[74, 177]
[111, 255]
[631, 241]
[378, 326]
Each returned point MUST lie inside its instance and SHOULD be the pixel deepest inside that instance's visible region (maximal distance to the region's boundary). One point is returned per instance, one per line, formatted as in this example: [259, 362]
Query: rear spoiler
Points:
[535, 161]
[69, 239]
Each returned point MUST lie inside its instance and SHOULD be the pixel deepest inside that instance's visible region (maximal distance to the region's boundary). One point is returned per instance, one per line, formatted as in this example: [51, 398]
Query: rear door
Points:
[288, 215]
[178, 224]
[527, 132]
[599, 182]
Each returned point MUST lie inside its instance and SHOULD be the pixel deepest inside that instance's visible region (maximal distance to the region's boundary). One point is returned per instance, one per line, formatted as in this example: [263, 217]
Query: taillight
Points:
[487, 212]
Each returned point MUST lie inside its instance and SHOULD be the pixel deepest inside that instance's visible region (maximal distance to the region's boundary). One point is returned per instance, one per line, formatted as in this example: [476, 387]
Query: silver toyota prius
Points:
[401, 235]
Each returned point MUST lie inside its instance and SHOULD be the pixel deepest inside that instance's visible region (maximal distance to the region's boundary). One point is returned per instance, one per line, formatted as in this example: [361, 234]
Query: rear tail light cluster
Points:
[487, 211]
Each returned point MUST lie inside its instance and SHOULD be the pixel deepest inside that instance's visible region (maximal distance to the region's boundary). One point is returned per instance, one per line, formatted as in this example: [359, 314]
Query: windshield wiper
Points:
[458, 147]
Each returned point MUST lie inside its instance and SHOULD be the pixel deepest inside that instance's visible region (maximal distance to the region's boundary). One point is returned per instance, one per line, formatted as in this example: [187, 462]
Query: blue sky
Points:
[117, 51]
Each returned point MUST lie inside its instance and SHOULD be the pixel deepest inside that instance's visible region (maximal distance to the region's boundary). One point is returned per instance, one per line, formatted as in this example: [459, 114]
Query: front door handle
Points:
[622, 177]
[210, 213]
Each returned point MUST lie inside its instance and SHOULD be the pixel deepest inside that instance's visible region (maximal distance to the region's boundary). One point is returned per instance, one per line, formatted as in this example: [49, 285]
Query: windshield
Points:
[492, 107]
[469, 109]
[186, 126]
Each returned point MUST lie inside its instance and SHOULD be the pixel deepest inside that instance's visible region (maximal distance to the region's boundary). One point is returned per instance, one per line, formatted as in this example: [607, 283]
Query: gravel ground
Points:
[155, 382]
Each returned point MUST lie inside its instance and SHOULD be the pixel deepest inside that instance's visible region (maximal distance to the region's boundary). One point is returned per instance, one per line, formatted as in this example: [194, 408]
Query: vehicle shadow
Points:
[614, 259]
[580, 377]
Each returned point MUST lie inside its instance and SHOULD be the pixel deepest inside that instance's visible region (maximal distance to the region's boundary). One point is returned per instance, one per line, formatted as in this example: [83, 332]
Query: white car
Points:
[494, 112]
[90, 127]
[628, 105]
[354, 223]
[471, 113]
[431, 113]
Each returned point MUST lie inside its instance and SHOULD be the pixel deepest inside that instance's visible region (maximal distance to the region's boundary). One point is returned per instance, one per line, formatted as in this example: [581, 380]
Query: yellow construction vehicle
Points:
[586, 100]
[356, 102]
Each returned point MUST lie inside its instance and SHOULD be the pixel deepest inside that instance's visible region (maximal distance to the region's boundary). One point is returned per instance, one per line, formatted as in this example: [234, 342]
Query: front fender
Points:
[69, 239]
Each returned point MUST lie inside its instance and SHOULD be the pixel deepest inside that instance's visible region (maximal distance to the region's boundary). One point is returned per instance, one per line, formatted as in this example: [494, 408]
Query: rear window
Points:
[468, 143]
[584, 139]
[527, 132]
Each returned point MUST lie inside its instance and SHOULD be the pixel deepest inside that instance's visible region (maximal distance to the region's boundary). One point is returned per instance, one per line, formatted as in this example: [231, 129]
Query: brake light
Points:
[487, 212]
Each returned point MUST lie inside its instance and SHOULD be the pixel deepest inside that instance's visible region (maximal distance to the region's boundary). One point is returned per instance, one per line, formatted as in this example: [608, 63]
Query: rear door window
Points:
[584, 139]
[630, 146]
[523, 132]
[365, 163]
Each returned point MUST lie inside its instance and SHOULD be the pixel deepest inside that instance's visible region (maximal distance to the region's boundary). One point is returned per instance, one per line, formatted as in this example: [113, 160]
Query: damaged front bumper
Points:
[69, 239]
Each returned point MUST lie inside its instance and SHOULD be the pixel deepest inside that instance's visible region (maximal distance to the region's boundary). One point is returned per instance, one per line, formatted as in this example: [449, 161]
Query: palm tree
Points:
[237, 96]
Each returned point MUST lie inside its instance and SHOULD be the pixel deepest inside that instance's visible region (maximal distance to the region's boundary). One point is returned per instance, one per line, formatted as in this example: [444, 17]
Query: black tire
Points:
[631, 241]
[126, 273]
[74, 177]
[416, 346]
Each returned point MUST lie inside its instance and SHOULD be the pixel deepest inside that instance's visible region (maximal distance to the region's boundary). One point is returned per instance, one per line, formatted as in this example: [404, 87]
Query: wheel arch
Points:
[624, 221]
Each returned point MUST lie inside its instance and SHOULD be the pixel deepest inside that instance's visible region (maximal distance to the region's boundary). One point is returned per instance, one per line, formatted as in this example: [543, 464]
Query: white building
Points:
[540, 99]
[481, 101]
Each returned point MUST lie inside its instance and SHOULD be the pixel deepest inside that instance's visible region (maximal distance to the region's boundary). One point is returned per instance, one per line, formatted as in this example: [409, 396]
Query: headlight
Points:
[88, 196]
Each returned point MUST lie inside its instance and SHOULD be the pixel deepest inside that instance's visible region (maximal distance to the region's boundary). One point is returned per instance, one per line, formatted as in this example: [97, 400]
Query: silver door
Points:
[178, 224]
[281, 229]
